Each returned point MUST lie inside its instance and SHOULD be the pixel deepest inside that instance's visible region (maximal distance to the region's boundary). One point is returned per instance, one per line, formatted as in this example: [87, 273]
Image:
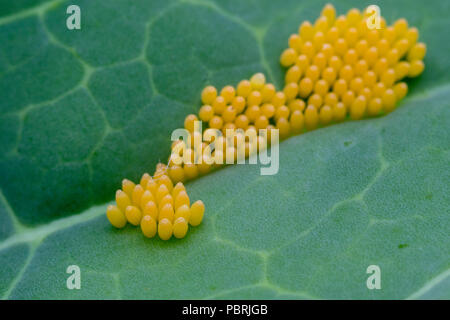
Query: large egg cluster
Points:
[336, 68]
[340, 67]
[156, 205]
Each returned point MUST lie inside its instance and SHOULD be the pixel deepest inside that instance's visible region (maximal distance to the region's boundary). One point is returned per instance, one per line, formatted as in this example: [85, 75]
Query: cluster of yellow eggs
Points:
[341, 67]
[156, 205]
[233, 118]
[336, 68]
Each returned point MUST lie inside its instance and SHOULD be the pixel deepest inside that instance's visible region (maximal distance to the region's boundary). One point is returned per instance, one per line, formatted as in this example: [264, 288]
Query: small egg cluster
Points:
[237, 112]
[341, 67]
[156, 205]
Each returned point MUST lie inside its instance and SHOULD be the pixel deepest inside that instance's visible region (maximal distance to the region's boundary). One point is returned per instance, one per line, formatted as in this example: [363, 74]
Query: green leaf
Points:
[82, 109]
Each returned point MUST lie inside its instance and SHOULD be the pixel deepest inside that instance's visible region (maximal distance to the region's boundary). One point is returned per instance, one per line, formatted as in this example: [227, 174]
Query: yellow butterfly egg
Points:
[268, 91]
[401, 70]
[183, 211]
[341, 24]
[209, 93]
[371, 56]
[219, 105]
[340, 46]
[340, 87]
[302, 62]
[321, 87]
[278, 99]
[253, 112]
[312, 72]
[166, 212]
[288, 57]
[325, 115]
[282, 112]
[318, 40]
[116, 216]
[327, 50]
[369, 79]
[133, 214]
[339, 112]
[378, 89]
[381, 66]
[417, 52]
[400, 90]
[176, 173]
[182, 198]
[296, 121]
[329, 12]
[374, 107]
[351, 37]
[346, 73]
[190, 171]
[244, 88]
[295, 42]
[216, 122]
[152, 186]
[347, 98]
[238, 104]
[320, 60]
[165, 229]
[189, 122]
[284, 127]
[358, 108]
[388, 77]
[311, 117]
[145, 179]
[361, 67]
[229, 114]
[389, 100]
[138, 191]
[356, 85]
[306, 30]
[128, 187]
[206, 112]
[412, 35]
[176, 190]
[296, 104]
[180, 228]
[241, 121]
[228, 93]
[383, 47]
[390, 35]
[290, 91]
[261, 122]
[400, 27]
[308, 49]
[305, 87]
[332, 35]
[331, 99]
[148, 226]
[293, 74]
[416, 68]
[361, 47]
[258, 80]
[353, 16]
[254, 98]
[150, 209]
